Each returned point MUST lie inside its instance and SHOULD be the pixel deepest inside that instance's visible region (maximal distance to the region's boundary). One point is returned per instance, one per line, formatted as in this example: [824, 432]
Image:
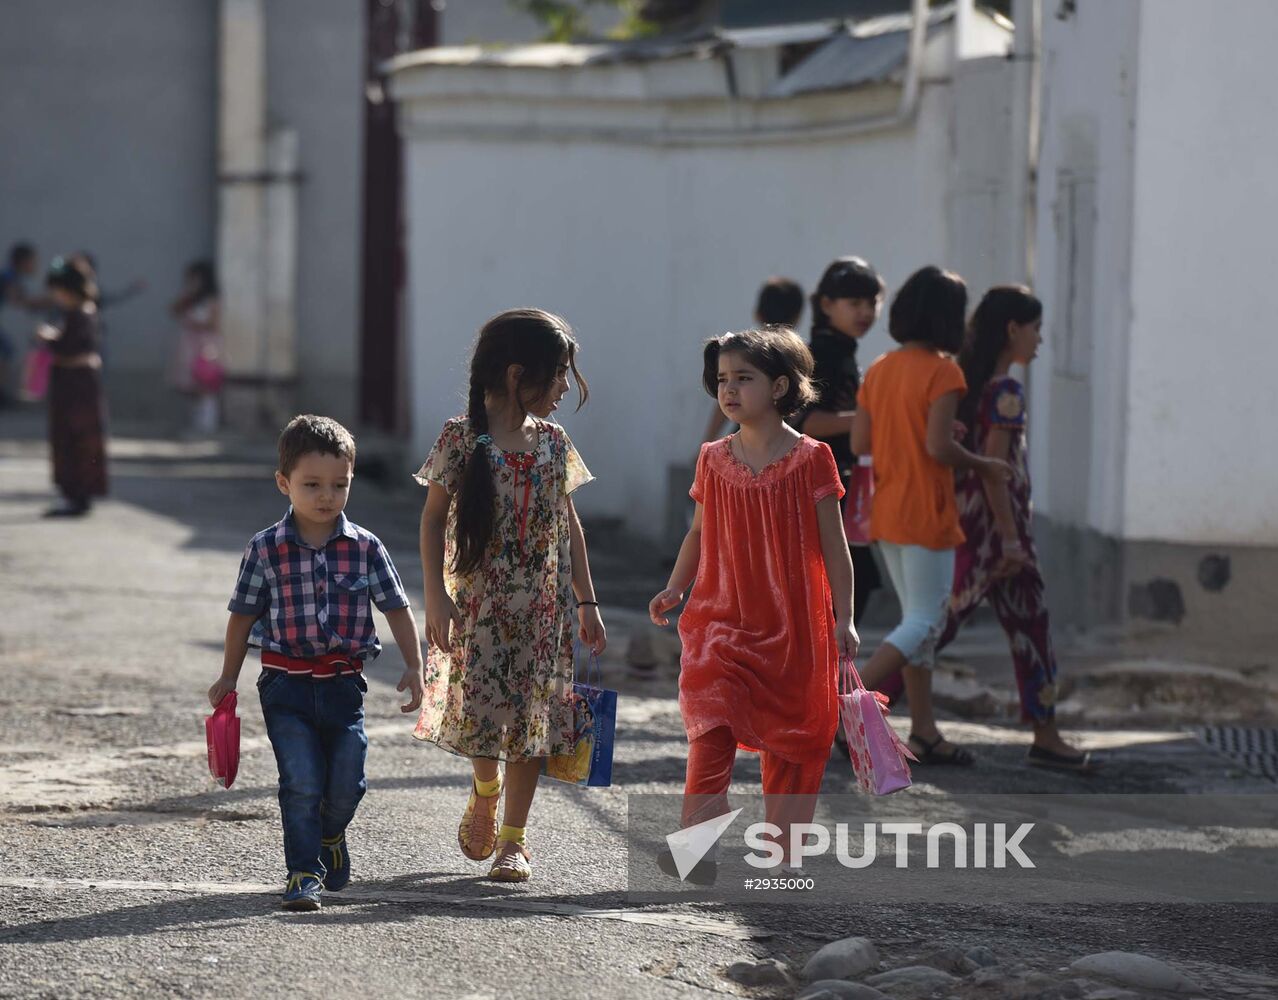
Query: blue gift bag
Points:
[595, 716]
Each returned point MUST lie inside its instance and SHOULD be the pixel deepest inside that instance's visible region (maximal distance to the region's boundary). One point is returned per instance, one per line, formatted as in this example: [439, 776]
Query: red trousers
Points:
[789, 789]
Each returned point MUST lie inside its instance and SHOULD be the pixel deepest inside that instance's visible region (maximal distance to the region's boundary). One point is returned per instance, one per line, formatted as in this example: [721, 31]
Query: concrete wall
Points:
[1078, 385]
[647, 250]
[108, 137]
[1152, 389]
[1083, 265]
[108, 125]
[315, 74]
[1202, 346]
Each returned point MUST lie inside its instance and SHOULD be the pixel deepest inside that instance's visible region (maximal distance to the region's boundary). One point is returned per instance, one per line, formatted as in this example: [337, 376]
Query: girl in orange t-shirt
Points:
[771, 611]
[905, 418]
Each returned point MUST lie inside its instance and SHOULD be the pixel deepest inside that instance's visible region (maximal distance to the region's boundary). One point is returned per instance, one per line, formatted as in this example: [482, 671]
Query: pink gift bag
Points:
[207, 372]
[222, 732]
[35, 373]
[878, 755]
[856, 506]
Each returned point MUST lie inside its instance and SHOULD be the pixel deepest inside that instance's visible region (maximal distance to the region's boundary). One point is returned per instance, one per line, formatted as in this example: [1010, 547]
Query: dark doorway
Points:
[392, 27]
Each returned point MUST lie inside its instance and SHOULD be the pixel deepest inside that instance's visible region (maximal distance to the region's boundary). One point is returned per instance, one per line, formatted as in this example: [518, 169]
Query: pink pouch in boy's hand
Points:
[877, 753]
[222, 731]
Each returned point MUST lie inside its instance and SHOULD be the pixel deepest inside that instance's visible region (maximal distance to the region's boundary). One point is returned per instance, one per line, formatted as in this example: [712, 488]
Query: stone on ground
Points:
[1131, 969]
[844, 959]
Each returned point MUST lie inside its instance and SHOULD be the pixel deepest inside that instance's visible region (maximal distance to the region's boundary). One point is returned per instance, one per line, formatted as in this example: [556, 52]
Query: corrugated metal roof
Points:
[780, 34]
[550, 55]
[872, 51]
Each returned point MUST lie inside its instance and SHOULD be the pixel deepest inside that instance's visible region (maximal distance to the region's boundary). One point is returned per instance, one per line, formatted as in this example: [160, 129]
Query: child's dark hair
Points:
[986, 339]
[66, 276]
[845, 278]
[308, 434]
[775, 352]
[929, 309]
[203, 272]
[20, 253]
[539, 342]
[780, 302]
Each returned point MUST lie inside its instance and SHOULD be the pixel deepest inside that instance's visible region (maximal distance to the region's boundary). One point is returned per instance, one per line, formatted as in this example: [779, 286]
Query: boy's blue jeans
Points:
[316, 728]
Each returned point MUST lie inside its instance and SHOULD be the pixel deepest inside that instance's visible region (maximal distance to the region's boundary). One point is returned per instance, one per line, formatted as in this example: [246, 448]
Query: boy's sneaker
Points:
[338, 861]
[303, 891]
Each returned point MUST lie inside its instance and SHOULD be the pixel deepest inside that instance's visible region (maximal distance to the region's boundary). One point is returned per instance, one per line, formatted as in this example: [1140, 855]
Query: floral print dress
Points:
[1019, 601]
[504, 689]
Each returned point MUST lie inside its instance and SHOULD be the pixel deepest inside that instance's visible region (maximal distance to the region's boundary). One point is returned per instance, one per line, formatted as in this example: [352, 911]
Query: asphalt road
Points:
[127, 873]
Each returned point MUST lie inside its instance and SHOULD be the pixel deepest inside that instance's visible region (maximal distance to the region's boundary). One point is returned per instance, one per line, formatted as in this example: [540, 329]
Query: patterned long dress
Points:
[77, 412]
[1019, 601]
[504, 690]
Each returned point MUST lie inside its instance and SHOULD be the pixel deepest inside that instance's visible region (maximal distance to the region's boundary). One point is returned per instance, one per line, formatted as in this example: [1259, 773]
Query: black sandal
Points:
[1082, 764]
[958, 755]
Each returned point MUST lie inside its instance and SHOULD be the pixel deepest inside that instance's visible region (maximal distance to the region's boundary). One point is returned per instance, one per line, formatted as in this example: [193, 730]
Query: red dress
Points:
[758, 630]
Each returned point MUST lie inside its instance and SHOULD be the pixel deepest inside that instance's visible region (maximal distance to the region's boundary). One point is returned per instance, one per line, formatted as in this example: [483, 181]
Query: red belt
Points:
[328, 665]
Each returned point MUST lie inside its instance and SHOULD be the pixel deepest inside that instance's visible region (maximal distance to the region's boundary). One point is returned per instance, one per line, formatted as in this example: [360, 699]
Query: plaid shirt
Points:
[311, 601]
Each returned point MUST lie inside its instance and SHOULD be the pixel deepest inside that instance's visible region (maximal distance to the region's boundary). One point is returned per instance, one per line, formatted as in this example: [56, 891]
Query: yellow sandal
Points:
[477, 832]
[513, 863]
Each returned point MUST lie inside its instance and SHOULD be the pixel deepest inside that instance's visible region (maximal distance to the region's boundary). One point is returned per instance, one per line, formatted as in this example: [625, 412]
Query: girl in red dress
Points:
[771, 611]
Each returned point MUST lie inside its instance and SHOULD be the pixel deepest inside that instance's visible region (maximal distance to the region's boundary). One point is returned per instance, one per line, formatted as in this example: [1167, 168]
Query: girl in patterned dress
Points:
[505, 566]
[997, 561]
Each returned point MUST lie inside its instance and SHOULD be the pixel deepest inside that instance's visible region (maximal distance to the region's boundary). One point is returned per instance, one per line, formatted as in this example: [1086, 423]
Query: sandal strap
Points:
[512, 857]
[958, 755]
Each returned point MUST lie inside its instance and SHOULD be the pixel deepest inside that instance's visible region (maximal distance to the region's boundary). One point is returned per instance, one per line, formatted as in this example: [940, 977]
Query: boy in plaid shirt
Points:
[303, 596]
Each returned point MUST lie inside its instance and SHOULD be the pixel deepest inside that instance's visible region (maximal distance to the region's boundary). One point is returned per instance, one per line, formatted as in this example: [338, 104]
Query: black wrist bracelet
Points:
[582, 604]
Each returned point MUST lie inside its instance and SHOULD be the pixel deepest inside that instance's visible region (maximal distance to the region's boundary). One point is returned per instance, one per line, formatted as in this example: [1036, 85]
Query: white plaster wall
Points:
[647, 252]
[1201, 420]
[107, 143]
[1077, 439]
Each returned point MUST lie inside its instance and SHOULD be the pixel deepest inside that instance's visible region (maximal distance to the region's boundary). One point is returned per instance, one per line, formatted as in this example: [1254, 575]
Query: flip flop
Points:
[958, 755]
[1081, 764]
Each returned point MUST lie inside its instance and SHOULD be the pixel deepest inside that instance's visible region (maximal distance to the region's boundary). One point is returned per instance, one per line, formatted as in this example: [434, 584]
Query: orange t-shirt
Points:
[913, 493]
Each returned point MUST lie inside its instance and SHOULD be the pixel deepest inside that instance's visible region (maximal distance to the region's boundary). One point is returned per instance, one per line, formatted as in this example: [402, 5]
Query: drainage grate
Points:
[1256, 750]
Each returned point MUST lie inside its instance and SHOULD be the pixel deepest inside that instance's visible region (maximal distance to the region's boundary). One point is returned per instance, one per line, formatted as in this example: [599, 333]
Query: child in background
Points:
[77, 405]
[771, 609]
[997, 560]
[905, 420]
[845, 306]
[303, 596]
[198, 312]
[503, 555]
[780, 303]
[87, 264]
[22, 263]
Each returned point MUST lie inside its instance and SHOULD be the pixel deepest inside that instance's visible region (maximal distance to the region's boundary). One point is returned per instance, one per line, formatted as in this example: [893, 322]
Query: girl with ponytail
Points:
[997, 561]
[508, 583]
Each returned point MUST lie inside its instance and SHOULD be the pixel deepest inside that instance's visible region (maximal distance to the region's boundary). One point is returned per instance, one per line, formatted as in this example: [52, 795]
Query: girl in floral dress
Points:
[997, 561]
[504, 559]
[771, 608]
